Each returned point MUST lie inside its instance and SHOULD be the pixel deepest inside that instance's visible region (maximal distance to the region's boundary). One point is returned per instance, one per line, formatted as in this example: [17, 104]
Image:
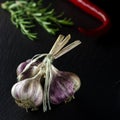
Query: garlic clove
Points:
[63, 86]
[27, 93]
[76, 81]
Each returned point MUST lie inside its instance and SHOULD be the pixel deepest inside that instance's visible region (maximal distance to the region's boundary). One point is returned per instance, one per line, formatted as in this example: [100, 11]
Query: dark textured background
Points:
[96, 61]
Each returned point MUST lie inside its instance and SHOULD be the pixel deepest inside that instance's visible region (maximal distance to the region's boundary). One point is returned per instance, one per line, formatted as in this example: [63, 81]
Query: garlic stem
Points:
[58, 48]
[60, 37]
[67, 49]
[59, 45]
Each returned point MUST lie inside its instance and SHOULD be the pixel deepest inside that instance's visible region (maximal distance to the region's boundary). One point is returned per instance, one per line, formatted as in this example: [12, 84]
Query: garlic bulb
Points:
[28, 93]
[58, 86]
[63, 86]
[31, 71]
[21, 66]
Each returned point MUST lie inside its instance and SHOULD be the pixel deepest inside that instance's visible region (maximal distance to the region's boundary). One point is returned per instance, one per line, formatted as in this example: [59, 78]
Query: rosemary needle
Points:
[26, 13]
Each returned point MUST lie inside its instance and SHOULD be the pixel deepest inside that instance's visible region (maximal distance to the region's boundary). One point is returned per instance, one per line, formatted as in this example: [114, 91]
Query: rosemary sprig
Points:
[24, 14]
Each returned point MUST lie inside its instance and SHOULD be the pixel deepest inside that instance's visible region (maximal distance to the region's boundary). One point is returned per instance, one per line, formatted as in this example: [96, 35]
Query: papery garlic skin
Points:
[63, 86]
[28, 93]
[30, 72]
[21, 66]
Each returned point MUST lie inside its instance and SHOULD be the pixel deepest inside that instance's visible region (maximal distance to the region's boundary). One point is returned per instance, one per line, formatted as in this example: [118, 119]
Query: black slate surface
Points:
[96, 61]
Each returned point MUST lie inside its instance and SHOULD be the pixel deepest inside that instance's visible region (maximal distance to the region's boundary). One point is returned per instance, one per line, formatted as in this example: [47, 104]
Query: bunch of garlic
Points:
[39, 82]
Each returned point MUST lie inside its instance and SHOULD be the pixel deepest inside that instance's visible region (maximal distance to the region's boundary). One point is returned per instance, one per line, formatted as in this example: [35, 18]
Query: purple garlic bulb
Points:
[63, 86]
[28, 93]
[30, 72]
[21, 66]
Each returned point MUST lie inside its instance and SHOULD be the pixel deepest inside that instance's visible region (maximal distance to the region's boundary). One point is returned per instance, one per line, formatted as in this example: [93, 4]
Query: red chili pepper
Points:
[96, 12]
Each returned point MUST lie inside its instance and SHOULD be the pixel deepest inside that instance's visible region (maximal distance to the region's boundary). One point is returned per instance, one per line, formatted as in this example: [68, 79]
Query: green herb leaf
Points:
[24, 14]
